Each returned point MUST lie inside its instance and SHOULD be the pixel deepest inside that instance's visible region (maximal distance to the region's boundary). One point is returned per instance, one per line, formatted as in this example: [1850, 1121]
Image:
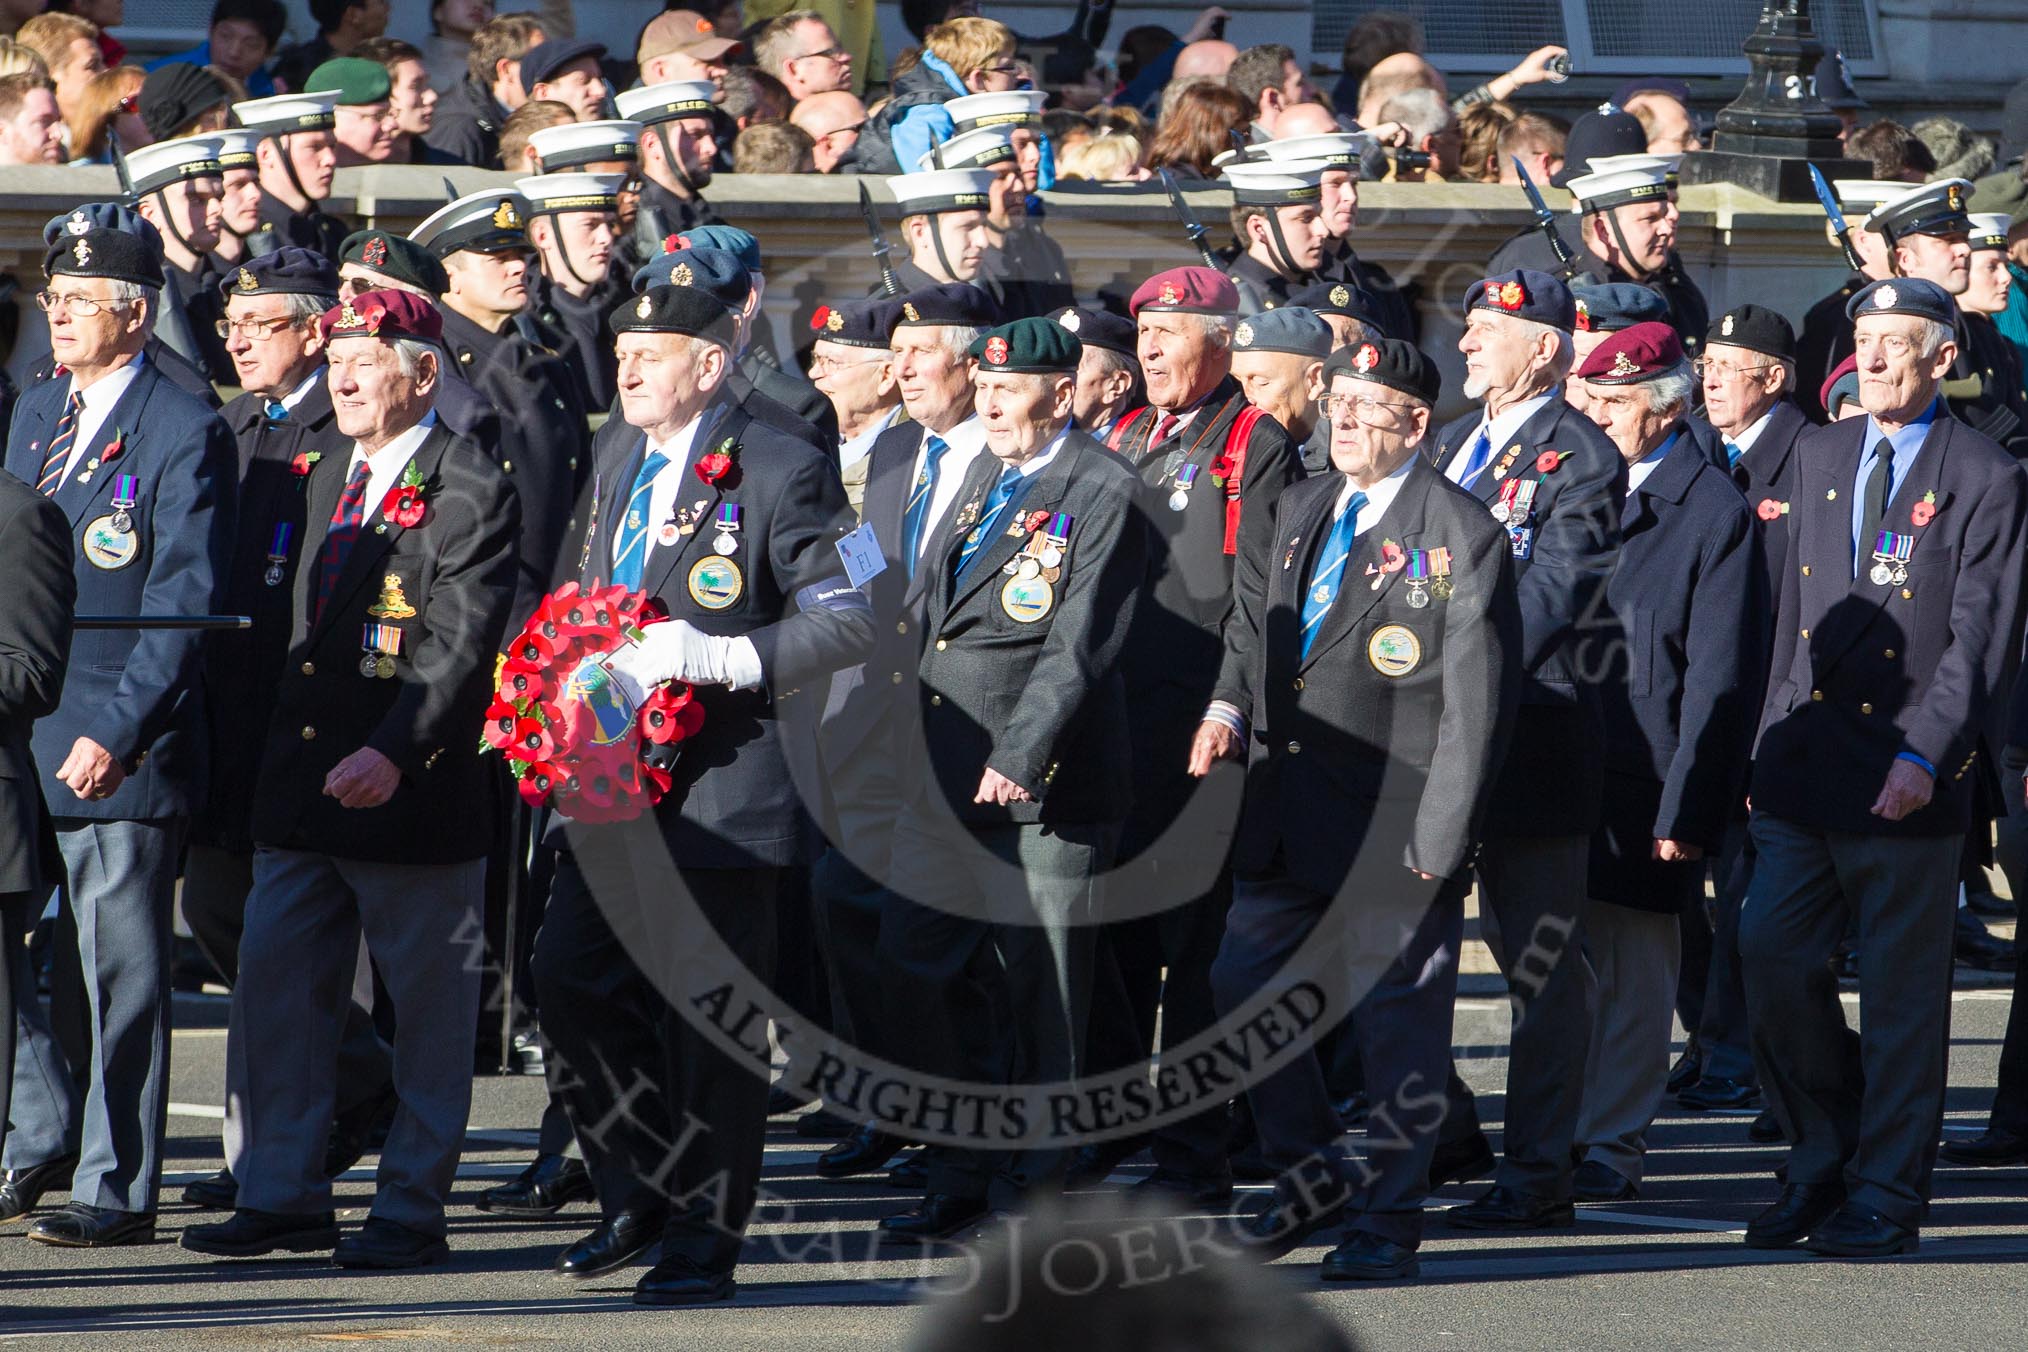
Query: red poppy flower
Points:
[1221, 469]
[1547, 462]
[537, 783]
[1392, 558]
[300, 464]
[533, 741]
[405, 508]
[501, 718]
[113, 448]
[1923, 514]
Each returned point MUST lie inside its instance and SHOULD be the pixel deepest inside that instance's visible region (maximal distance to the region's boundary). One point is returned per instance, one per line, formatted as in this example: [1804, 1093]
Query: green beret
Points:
[356, 82]
[1039, 347]
[393, 257]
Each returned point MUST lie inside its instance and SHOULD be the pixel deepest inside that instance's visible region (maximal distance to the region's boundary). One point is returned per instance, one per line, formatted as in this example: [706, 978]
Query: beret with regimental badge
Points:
[1525, 294]
[1336, 298]
[1390, 362]
[102, 216]
[1633, 355]
[1191, 290]
[494, 220]
[284, 113]
[576, 144]
[1102, 328]
[386, 315]
[98, 252]
[1903, 296]
[856, 323]
[1034, 346]
[674, 309]
[1608, 307]
[542, 61]
[1292, 329]
[728, 238]
[665, 102]
[1928, 209]
[355, 81]
[715, 272]
[1757, 329]
[288, 271]
[954, 303]
[398, 259]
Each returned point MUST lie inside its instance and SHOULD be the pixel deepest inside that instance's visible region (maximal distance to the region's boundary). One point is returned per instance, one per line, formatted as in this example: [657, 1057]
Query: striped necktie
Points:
[346, 522]
[58, 459]
[915, 516]
[632, 559]
[1325, 577]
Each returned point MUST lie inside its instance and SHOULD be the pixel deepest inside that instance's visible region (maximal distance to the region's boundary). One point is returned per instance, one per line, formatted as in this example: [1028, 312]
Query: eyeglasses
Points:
[1725, 370]
[84, 307]
[253, 330]
[1005, 68]
[819, 364]
[837, 54]
[1364, 407]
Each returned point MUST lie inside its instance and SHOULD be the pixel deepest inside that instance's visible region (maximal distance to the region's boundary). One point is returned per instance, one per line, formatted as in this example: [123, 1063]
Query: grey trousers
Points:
[1635, 955]
[297, 962]
[119, 890]
[1870, 1118]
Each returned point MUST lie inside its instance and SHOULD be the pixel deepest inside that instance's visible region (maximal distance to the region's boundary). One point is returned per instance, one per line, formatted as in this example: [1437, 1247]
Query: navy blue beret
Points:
[1904, 296]
[856, 323]
[715, 272]
[102, 216]
[1525, 294]
[1336, 298]
[949, 303]
[288, 271]
[1292, 329]
[1103, 328]
[1612, 306]
[1390, 362]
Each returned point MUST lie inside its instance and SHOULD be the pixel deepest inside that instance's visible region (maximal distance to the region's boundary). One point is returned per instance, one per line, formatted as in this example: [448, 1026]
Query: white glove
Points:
[676, 651]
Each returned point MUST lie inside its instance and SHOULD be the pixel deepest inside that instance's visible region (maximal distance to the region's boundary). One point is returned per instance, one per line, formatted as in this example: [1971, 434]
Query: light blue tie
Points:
[632, 559]
[1732, 453]
[276, 411]
[1326, 577]
[1475, 463]
[915, 516]
[1004, 492]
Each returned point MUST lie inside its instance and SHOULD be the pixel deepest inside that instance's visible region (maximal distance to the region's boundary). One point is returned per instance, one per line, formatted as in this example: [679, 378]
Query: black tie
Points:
[1876, 486]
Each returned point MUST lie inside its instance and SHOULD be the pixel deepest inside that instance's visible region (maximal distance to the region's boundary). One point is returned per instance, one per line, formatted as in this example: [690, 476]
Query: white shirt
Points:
[1638, 472]
[384, 466]
[297, 395]
[670, 481]
[1379, 497]
[967, 441]
[1497, 431]
[851, 450]
[99, 398]
[1744, 441]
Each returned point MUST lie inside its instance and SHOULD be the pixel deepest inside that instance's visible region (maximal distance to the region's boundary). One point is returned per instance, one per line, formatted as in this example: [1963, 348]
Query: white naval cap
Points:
[284, 113]
[939, 190]
[668, 101]
[576, 144]
[161, 163]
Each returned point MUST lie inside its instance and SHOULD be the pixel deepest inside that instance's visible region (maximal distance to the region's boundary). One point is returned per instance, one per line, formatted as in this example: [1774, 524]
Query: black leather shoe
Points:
[1988, 1149]
[937, 1216]
[784, 1102]
[1801, 1208]
[355, 1131]
[1284, 1222]
[384, 1245]
[1461, 1160]
[1689, 1067]
[613, 1245]
[1091, 1165]
[21, 1189]
[680, 1281]
[1764, 1129]
[78, 1226]
[866, 1151]
[1976, 946]
[911, 1172]
[220, 1192]
[1500, 1208]
[1716, 1091]
[544, 1188]
[1595, 1181]
[1369, 1258]
[1855, 1231]
[249, 1234]
[1176, 1186]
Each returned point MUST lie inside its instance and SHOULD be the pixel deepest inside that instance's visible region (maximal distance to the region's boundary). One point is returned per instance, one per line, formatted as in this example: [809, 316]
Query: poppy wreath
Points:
[571, 738]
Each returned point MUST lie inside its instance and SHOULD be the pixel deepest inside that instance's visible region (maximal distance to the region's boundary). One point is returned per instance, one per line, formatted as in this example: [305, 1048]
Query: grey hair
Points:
[957, 339]
[1423, 111]
[1217, 329]
[1671, 389]
[408, 353]
[1933, 336]
[126, 293]
[1566, 349]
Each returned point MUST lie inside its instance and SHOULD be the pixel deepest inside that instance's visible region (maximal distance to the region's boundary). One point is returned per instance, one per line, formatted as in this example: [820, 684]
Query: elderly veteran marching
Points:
[1899, 619]
[1012, 799]
[1109, 384]
[143, 473]
[1278, 359]
[373, 814]
[1369, 680]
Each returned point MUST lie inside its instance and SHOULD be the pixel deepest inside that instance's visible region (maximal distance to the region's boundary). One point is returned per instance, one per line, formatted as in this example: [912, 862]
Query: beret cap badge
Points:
[1341, 295]
[505, 217]
[246, 280]
[996, 350]
[1070, 320]
[1726, 327]
[348, 318]
[834, 321]
[1169, 295]
[1368, 358]
[1885, 298]
[908, 308]
[78, 223]
[681, 275]
[643, 306]
[82, 252]
[375, 252]
[1244, 335]
[1623, 365]
[1511, 295]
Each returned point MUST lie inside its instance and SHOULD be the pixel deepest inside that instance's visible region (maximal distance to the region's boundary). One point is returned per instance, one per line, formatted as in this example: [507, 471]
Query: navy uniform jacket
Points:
[1689, 313]
[1173, 654]
[1551, 784]
[243, 667]
[1031, 270]
[455, 571]
[580, 325]
[1765, 474]
[138, 693]
[1043, 700]
[1333, 735]
[1686, 657]
[913, 278]
[1824, 341]
[315, 229]
[542, 438]
[769, 392]
[1393, 302]
[1862, 672]
[662, 214]
[1260, 286]
[191, 309]
[1984, 385]
[35, 638]
[734, 803]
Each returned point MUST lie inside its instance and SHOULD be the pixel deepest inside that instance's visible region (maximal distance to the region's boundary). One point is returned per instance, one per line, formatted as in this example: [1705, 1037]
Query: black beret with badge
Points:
[112, 254]
[674, 309]
[1390, 362]
[956, 303]
[1336, 298]
[1757, 329]
[1525, 294]
[856, 323]
[1292, 329]
[288, 271]
[396, 258]
[1102, 328]
[1033, 346]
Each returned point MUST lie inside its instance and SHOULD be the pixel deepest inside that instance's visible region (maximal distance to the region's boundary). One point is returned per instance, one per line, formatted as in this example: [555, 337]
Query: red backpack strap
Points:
[1124, 426]
[1236, 438]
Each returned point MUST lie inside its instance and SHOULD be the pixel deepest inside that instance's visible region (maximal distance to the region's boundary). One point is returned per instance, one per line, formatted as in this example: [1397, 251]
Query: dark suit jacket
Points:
[770, 411]
[1862, 672]
[792, 392]
[1689, 312]
[138, 693]
[1561, 584]
[34, 647]
[734, 803]
[1765, 474]
[1332, 735]
[456, 571]
[1042, 701]
[177, 368]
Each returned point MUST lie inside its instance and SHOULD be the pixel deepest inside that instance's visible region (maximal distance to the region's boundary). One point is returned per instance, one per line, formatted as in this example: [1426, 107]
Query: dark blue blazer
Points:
[1551, 782]
[1764, 474]
[1862, 672]
[138, 693]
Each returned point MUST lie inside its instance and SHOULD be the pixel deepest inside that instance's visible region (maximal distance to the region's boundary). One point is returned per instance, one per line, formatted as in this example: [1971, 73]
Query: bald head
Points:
[1306, 119]
[832, 120]
[1211, 57]
[1392, 75]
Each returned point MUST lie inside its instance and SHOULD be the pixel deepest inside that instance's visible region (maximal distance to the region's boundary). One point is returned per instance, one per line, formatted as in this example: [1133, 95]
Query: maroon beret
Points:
[384, 314]
[1197, 291]
[1632, 355]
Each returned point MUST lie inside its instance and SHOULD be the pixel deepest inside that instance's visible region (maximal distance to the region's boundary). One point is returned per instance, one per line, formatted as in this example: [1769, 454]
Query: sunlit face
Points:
[1739, 386]
[1180, 361]
[577, 241]
[239, 207]
[1283, 385]
[365, 132]
[34, 135]
[1102, 385]
[1374, 427]
[193, 211]
[579, 86]
[1943, 259]
[1304, 235]
[81, 61]
[271, 351]
[1624, 412]
[493, 282]
[965, 236]
[371, 399]
[313, 155]
[666, 378]
[935, 382]
[89, 341]
[1988, 283]
[1021, 413]
[1340, 205]
[855, 379]
[1896, 381]
[412, 100]
[1028, 157]
[1649, 229]
[1501, 353]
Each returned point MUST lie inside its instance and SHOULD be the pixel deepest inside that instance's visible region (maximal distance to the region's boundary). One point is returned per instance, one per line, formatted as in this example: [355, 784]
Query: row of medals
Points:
[1045, 563]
